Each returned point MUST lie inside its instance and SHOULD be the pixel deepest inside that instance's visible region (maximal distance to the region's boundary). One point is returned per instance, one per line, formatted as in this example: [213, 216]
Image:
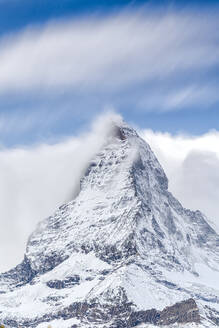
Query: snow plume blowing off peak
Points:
[35, 180]
[102, 129]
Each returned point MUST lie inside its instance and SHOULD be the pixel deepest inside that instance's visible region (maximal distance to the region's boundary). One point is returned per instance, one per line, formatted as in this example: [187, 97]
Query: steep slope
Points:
[119, 253]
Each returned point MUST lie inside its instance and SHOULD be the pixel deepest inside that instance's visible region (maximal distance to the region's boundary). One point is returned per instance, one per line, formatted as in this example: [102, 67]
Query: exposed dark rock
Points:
[68, 282]
[149, 316]
[183, 312]
[157, 228]
[213, 315]
[20, 275]
[121, 315]
[118, 133]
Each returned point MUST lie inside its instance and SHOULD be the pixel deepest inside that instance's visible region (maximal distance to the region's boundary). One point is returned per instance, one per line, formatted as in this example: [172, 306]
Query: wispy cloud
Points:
[171, 57]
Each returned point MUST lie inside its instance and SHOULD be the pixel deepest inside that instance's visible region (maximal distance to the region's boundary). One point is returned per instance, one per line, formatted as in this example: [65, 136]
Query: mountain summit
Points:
[123, 253]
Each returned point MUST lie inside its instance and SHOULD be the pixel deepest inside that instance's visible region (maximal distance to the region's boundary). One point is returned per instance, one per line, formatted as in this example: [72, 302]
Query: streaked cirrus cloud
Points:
[162, 60]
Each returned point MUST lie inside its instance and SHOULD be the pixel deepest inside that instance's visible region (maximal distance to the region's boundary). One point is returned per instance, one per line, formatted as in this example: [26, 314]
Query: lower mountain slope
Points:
[123, 253]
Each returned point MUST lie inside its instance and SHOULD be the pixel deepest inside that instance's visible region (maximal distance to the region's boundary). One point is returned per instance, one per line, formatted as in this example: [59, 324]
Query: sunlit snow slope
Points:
[122, 247]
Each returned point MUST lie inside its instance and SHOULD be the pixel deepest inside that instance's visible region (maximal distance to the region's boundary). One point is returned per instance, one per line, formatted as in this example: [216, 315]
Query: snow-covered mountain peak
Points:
[125, 152]
[97, 218]
[122, 247]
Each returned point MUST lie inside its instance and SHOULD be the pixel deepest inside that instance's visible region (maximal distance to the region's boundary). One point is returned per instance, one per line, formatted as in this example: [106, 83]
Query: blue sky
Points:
[62, 63]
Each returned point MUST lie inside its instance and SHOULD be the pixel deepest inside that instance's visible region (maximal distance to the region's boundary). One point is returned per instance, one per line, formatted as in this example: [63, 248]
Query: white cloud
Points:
[192, 166]
[111, 54]
[35, 181]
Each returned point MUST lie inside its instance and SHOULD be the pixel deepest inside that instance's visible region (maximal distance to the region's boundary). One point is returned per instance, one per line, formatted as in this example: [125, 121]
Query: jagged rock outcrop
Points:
[122, 253]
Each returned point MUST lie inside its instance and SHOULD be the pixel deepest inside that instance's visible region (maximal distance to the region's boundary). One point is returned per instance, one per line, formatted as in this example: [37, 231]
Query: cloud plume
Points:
[36, 180]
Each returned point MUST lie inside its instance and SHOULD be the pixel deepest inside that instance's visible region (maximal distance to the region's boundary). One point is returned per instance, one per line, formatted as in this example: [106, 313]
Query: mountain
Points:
[122, 253]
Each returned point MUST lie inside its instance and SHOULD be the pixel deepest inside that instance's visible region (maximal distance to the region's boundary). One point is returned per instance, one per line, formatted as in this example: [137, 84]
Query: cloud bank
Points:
[192, 166]
[114, 56]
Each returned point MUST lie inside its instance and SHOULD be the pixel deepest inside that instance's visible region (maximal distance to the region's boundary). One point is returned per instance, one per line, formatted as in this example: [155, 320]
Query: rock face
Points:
[183, 312]
[124, 252]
